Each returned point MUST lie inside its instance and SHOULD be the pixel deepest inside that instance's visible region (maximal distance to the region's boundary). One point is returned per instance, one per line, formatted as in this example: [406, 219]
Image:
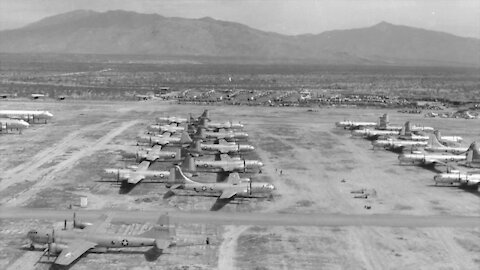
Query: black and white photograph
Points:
[240, 134]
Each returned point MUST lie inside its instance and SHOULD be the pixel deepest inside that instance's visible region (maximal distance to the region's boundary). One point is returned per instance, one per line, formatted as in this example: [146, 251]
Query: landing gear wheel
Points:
[32, 247]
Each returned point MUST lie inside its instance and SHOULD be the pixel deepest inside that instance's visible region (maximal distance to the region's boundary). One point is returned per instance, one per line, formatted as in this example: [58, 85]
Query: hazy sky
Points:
[460, 17]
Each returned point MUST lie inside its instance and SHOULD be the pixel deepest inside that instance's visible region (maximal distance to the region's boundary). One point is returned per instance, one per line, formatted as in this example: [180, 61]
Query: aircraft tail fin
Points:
[408, 128]
[200, 133]
[434, 141]
[185, 138]
[188, 164]
[383, 121]
[177, 176]
[473, 154]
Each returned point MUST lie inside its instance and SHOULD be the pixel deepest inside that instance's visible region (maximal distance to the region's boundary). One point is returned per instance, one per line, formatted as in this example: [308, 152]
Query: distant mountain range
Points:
[129, 33]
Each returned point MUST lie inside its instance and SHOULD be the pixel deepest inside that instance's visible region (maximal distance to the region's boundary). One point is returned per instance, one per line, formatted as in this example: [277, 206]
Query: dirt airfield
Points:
[313, 165]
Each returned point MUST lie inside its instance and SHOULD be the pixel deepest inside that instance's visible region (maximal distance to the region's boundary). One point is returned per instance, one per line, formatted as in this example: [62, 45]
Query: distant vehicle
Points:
[37, 96]
[234, 186]
[70, 245]
[143, 97]
[166, 139]
[7, 124]
[132, 176]
[435, 146]
[29, 116]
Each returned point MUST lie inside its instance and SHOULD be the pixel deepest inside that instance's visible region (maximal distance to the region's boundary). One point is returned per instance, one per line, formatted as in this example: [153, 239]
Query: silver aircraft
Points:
[226, 135]
[171, 120]
[134, 174]
[29, 116]
[227, 164]
[7, 124]
[435, 146]
[165, 139]
[223, 147]
[209, 125]
[69, 245]
[469, 179]
[165, 128]
[398, 145]
[233, 187]
[155, 153]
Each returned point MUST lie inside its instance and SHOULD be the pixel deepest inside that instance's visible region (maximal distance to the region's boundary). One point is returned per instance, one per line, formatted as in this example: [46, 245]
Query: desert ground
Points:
[313, 165]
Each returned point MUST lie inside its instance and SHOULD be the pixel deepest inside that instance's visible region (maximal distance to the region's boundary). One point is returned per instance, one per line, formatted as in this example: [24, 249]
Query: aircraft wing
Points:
[135, 179]
[143, 166]
[152, 156]
[74, 250]
[156, 148]
[228, 193]
[225, 157]
[162, 244]
[222, 141]
[99, 224]
[434, 161]
[233, 178]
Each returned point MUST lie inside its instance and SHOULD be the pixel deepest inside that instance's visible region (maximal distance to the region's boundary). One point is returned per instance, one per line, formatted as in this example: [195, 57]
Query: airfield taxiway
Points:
[410, 222]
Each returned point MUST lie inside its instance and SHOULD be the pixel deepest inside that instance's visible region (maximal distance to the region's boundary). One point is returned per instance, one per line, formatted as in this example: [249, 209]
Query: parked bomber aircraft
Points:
[373, 134]
[226, 135]
[153, 154]
[355, 125]
[223, 147]
[29, 116]
[408, 134]
[435, 146]
[397, 145]
[171, 120]
[70, 245]
[456, 177]
[7, 124]
[428, 159]
[165, 139]
[225, 165]
[134, 175]
[165, 128]
[233, 187]
[208, 125]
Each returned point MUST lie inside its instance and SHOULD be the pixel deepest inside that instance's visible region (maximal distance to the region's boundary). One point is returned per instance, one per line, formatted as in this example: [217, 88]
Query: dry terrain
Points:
[314, 166]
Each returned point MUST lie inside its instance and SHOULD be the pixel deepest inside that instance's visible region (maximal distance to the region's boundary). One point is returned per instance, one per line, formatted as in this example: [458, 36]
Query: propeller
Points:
[74, 220]
[250, 188]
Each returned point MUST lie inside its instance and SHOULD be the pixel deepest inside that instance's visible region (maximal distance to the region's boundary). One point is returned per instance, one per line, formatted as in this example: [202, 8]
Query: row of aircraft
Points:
[424, 146]
[18, 120]
[187, 144]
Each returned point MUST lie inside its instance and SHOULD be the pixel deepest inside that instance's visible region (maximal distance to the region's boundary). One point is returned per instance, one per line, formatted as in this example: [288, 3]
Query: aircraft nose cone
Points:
[48, 114]
[260, 164]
